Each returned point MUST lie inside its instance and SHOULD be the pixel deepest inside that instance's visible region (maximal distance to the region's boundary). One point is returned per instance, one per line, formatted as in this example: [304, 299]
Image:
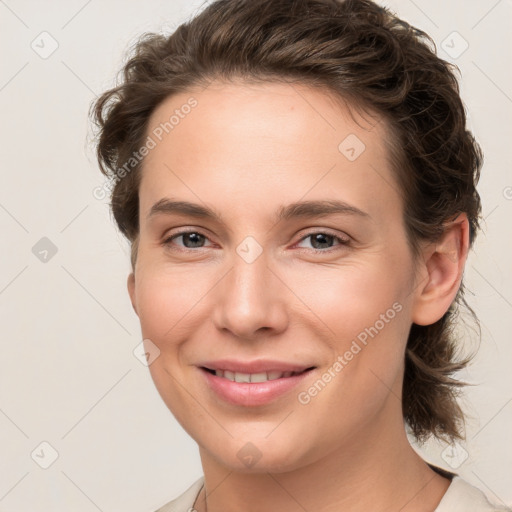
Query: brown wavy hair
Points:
[367, 57]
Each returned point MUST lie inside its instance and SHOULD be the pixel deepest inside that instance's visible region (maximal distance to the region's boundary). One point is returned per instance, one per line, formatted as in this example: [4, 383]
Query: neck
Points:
[378, 470]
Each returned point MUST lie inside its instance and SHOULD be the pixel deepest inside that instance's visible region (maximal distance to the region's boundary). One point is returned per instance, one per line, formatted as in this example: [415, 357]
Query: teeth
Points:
[229, 375]
[252, 377]
[242, 377]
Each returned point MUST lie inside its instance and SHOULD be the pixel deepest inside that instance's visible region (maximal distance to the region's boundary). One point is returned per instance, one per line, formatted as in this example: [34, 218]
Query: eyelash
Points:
[343, 242]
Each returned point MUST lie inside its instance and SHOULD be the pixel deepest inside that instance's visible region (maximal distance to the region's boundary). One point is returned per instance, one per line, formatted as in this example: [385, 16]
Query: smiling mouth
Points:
[254, 377]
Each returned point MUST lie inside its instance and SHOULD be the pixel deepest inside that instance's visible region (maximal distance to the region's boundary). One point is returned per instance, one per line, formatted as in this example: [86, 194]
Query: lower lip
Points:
[252, 394]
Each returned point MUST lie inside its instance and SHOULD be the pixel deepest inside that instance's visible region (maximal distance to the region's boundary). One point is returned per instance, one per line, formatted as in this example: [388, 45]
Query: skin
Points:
[246, 150]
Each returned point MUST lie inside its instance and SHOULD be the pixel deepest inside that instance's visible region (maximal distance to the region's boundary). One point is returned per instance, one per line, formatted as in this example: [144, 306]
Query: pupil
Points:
[320, 238]
[197, 239]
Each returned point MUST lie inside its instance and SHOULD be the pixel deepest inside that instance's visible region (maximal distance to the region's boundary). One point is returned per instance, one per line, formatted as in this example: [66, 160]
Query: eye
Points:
[190, 239]
[322, 241]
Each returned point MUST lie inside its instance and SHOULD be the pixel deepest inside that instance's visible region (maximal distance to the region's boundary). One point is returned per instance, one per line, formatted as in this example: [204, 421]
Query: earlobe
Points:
[131, 291]
[444, 264]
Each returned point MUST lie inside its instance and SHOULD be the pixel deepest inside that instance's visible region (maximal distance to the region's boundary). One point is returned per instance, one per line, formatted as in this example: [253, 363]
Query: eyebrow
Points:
[301, 209]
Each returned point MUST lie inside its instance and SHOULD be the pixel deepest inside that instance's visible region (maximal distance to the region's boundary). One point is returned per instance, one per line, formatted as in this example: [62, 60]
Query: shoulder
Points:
[461, 496]
[184, 502]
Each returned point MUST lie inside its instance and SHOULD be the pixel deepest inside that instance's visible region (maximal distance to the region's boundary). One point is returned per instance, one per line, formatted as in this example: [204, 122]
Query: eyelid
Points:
[343, 239]
[326, 231]
[168, 237]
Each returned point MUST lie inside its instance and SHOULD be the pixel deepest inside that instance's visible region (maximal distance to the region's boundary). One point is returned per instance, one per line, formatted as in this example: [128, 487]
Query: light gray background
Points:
[68, 375]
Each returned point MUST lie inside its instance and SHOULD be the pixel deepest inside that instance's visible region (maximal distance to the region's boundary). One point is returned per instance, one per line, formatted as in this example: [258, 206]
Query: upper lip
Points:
[257, 366]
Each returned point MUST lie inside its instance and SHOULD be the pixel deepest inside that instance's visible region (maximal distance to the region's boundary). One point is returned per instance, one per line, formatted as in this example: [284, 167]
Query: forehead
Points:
[253, 143]
[281, 110]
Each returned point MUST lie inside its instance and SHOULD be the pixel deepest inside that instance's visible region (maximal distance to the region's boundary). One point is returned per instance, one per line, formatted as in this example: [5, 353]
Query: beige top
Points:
[460, 497]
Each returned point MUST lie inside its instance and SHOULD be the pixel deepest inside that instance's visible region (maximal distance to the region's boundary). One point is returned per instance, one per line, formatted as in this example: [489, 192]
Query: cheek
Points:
[165, 298]
[350, 299]
[367, 314]
[167, 301]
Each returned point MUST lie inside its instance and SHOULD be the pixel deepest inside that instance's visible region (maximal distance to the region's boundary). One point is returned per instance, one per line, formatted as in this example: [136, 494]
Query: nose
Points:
[250, 300]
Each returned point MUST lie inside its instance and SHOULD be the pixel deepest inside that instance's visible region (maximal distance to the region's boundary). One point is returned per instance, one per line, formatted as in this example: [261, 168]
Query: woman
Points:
[298, 186]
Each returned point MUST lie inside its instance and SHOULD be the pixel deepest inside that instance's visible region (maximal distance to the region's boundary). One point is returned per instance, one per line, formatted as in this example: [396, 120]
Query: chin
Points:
[253, 454]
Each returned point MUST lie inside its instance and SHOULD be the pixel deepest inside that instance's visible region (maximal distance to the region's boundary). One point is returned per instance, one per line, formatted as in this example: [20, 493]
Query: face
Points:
[272, 251]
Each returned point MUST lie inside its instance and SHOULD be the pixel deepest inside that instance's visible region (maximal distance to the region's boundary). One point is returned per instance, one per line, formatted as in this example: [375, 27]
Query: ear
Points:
[131, 291]
[442, 268]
